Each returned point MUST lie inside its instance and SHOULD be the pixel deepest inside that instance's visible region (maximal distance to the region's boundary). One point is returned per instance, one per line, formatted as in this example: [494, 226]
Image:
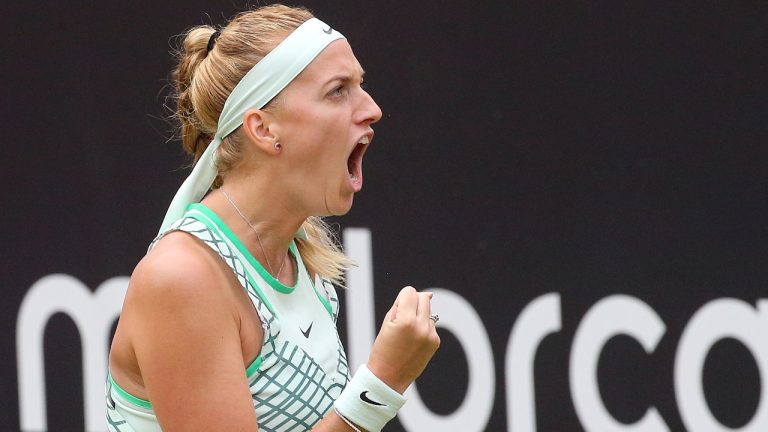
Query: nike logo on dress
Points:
[309, 329]
[328, 30]
[365, 399]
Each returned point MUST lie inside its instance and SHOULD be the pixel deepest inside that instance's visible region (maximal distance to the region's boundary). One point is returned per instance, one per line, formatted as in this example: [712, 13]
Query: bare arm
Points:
[185, 332]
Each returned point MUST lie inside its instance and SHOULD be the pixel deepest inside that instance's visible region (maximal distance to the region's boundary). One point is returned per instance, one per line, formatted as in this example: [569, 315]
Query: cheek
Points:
[328, 142]
[320, 141]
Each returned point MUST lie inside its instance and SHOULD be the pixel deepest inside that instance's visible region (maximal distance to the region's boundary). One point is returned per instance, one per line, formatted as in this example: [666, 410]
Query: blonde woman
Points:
[229, 323]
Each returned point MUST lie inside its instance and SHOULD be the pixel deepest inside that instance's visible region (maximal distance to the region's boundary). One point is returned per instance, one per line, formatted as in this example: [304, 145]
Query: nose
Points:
[368, 112]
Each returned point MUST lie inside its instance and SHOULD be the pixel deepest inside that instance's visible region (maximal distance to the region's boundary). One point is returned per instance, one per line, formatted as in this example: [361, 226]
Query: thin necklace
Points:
[258, 237]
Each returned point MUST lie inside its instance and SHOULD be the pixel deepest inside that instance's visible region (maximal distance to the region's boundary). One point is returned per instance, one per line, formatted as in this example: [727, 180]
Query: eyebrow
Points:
[343, 77]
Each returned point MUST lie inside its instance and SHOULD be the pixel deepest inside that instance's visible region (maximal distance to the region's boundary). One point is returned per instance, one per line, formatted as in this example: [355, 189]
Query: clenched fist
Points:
[406, 342]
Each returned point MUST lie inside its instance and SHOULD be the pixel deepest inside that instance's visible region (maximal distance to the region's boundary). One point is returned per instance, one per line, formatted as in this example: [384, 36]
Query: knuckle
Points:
[408, 322]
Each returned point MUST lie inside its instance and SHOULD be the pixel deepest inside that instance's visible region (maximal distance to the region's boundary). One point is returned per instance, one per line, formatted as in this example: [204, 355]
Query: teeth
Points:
[365, 140]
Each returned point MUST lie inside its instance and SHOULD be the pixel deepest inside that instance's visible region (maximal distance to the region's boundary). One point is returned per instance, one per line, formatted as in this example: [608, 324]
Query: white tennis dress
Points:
[302, 367]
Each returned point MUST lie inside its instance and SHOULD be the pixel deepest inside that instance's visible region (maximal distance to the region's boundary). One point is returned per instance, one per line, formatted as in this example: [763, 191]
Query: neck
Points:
[267, 226]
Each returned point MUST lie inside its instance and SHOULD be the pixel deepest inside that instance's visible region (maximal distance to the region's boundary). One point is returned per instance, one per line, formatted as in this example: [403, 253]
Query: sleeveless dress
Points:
[302, 367]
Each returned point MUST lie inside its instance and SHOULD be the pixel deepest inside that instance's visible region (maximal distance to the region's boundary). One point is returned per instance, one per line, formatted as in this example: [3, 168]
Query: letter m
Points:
[93, 314]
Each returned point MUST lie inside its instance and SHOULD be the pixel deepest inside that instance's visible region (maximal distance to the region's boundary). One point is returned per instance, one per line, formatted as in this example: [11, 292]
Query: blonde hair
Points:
[204, 79]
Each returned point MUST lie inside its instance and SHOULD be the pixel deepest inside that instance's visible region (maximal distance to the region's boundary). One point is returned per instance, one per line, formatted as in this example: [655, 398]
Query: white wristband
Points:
[368, 402]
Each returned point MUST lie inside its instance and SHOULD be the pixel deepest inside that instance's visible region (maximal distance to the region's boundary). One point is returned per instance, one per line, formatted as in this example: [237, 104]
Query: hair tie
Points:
[212, 41]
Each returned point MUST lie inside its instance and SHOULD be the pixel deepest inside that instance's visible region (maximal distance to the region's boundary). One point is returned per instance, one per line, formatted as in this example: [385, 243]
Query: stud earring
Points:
[278, 146]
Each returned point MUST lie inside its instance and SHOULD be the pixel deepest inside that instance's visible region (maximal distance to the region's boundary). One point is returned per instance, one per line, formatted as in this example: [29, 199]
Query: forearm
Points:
[333, 423]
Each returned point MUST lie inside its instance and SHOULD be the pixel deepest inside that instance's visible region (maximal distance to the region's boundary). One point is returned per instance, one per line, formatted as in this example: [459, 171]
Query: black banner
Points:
[582, 184]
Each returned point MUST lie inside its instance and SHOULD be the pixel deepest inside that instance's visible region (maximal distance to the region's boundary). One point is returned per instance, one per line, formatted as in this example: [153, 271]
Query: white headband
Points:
[260, 85]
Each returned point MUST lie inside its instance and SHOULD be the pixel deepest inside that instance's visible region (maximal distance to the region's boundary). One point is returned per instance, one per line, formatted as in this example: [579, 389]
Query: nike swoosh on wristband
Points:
[309, 329]
[365, 399]
[328, 30]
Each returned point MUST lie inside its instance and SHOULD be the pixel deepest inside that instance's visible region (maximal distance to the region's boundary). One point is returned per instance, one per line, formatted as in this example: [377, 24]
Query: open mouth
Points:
[355, 163]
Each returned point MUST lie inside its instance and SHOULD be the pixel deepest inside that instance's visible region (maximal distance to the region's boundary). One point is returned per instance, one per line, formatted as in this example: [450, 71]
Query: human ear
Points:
[258, 128]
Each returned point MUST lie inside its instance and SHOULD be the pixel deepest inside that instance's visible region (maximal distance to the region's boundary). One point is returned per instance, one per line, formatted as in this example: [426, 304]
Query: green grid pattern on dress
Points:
[333, 299]
[295, 394]
[342, 367]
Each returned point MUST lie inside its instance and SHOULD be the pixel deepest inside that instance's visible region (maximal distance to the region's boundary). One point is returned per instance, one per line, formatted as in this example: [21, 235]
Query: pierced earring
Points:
[278, 146]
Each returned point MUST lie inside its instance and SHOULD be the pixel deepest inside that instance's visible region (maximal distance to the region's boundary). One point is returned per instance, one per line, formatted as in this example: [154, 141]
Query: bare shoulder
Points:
[179, 268]
[178, 288]
[182, 283]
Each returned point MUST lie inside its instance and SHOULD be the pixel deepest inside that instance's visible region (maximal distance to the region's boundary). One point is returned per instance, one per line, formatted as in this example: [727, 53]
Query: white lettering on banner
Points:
[93, 314]
[611, 316]
[360, 310]
[475, 410]
[540, 318]
[719, 319]
[461, 319]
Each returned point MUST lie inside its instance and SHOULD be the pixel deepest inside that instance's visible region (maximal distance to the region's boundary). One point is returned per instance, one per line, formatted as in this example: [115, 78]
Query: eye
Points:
[338, 91]
[364, 84]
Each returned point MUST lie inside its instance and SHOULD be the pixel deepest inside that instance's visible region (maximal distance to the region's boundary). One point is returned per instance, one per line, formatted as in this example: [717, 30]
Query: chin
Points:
[341, 207]
[342, 211]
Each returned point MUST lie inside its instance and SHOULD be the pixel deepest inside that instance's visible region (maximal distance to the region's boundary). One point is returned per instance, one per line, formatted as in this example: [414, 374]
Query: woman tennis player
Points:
[229, 323]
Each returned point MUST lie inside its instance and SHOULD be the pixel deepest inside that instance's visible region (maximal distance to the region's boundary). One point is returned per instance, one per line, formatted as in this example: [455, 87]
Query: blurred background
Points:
[583, 182]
